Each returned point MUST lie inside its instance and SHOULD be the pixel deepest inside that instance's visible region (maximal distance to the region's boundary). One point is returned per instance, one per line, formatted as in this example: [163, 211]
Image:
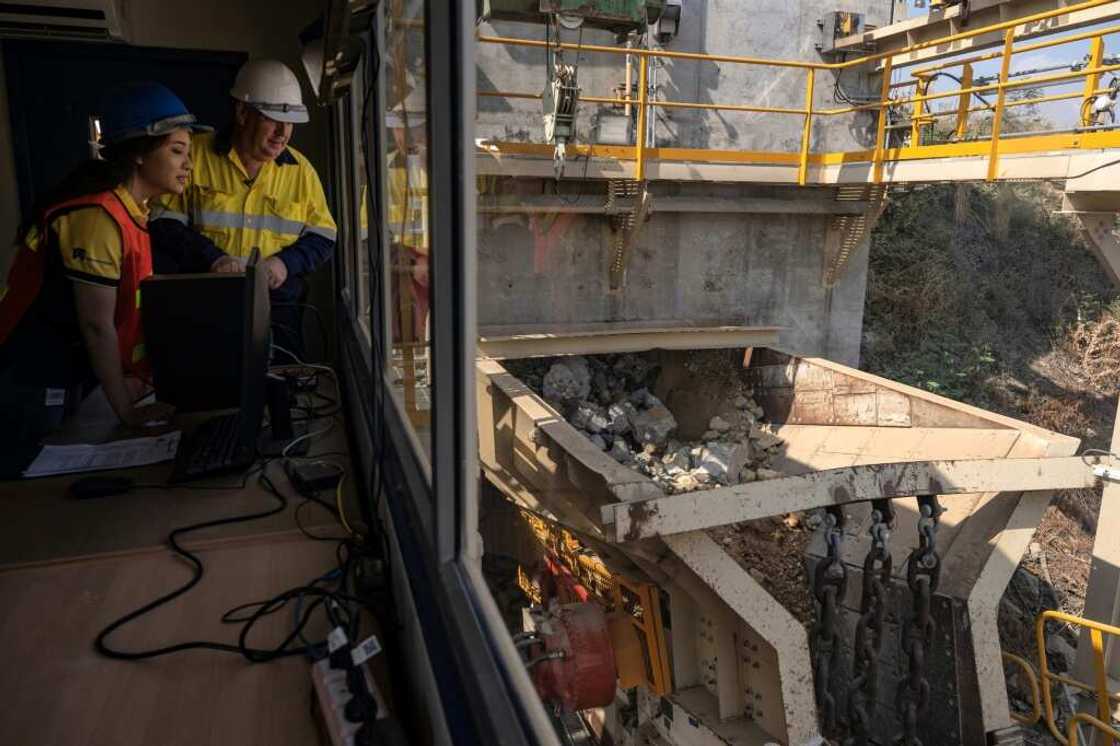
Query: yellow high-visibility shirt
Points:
[408, 201]
[272, 211]
[90, 241]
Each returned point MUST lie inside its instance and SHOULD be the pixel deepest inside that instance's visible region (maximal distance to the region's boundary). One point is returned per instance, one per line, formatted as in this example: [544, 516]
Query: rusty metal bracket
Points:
[626, 226]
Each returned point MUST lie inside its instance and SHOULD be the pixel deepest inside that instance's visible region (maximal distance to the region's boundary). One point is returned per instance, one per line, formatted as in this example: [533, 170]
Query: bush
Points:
[968, 281]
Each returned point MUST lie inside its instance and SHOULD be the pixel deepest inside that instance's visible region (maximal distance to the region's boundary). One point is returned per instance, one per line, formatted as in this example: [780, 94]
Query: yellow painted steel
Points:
[640, 134]
[918, 116]
[1073, 737]
[881, 130]
[1096, 55]
[1001, 96]
[1099, 689]
[644, 613]
[1032, 679]
[964, 102]
[1104, 712]
[1024, 21]
[807, 131]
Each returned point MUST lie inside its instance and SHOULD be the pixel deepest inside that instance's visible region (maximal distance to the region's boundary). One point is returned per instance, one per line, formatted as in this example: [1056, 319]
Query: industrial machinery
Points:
[852, 593]
[617, 16]
[922, 507]
[560, 99]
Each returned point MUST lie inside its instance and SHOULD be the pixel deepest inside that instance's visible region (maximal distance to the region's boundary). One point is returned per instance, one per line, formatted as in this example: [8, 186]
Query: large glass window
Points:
[406, 212]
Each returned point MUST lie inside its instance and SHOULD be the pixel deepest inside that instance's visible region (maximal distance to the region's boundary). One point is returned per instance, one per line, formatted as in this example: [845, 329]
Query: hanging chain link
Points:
[829, 582]
[869, 629]
[923, 572]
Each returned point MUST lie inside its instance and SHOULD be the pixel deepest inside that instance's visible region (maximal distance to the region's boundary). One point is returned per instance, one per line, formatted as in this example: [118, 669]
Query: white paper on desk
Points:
[118, 454]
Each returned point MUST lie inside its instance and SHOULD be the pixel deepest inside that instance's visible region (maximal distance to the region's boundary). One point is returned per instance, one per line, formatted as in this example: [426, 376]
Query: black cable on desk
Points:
[254, 655]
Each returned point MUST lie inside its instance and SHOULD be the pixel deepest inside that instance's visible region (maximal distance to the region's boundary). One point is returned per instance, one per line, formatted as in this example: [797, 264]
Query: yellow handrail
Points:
[1072, 733]
[1103, 696]
[1032, 679]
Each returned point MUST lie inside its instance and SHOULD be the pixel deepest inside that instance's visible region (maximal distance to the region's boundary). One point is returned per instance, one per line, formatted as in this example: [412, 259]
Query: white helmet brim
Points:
[283, 112]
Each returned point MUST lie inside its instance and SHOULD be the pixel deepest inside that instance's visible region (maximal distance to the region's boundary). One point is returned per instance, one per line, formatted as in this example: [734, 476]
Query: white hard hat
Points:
[272, 89]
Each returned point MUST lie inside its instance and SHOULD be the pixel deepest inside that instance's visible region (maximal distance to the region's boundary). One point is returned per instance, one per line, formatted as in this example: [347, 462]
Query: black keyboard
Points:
[215, 447]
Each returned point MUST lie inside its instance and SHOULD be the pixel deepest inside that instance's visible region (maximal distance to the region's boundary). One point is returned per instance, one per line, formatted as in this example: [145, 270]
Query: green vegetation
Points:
[974, 292]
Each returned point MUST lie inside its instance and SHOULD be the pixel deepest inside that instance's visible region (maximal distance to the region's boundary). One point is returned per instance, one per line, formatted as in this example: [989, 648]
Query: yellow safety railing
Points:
[1103, 696]
[1032, 679]
[920, 113]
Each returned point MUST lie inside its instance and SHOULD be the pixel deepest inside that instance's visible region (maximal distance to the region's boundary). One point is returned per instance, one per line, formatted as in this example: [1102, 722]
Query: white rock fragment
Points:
[719, 424]
[724, 461]
[567, 381]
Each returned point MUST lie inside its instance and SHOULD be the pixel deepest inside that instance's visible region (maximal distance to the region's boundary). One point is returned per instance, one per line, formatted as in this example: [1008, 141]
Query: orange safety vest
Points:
[26, 275]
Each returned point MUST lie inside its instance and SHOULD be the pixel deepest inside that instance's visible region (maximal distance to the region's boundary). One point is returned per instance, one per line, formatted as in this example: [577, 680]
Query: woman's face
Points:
[167, 168]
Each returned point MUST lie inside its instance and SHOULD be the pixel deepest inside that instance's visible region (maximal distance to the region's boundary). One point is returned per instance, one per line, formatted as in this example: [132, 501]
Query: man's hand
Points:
[277, 271]
[227, 265]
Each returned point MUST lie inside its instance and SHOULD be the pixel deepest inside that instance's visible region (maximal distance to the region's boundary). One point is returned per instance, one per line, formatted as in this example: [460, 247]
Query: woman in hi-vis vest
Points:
[69, 306]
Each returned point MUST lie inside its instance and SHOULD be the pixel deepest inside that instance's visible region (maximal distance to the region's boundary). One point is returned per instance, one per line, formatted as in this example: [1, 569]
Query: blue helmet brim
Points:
[156, 129]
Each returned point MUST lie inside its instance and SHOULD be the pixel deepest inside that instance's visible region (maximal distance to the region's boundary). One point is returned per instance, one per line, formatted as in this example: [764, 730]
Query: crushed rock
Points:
[619, 413]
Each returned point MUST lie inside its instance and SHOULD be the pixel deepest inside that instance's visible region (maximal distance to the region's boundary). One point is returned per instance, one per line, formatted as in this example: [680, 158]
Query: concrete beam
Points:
[610, 339]
[1094, 214]
[1032, 166]
[762, 612]
[1102, 598]
[664, 516]
[596, 204]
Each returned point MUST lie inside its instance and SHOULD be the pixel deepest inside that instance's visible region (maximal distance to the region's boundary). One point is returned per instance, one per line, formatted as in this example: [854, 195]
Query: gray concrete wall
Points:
[542, 271]
[771, 29]
[687, 268]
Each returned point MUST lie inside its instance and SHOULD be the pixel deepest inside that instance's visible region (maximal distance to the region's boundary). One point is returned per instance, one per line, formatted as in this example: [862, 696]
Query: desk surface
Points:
[70, 567]
[57, 691]
[42, 523]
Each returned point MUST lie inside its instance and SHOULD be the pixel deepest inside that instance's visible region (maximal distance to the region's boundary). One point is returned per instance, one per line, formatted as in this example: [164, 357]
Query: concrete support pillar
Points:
[1102, 599]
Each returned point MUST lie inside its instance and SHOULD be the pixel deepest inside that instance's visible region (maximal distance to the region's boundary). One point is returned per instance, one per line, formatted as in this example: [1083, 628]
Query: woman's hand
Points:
[156, 412]
[227, 265]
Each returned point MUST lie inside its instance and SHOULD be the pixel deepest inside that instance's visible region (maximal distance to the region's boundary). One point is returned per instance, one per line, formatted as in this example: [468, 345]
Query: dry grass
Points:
[1095, 348]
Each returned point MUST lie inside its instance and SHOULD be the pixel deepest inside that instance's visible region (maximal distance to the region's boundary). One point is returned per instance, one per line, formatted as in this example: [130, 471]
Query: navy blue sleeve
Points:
[307, 254]
[179, 248]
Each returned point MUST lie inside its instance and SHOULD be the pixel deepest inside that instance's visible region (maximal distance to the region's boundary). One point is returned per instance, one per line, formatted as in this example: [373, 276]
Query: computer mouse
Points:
[90, 487]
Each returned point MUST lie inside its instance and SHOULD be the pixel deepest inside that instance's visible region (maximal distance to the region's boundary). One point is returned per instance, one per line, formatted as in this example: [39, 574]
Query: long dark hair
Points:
[115, 167]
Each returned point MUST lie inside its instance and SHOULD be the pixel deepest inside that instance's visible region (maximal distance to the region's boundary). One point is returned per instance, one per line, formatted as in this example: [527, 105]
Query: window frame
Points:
[486, 696]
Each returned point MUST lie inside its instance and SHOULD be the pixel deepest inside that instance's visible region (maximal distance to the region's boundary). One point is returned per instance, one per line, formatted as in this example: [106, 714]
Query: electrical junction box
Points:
[614, 129]
[837, 25]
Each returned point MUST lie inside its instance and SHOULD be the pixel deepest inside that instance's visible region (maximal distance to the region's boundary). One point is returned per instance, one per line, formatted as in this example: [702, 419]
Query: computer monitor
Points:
[255, 347]
[207, 338]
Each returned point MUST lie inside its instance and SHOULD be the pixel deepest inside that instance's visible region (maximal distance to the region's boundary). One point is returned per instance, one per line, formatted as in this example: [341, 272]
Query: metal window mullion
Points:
[450, 418]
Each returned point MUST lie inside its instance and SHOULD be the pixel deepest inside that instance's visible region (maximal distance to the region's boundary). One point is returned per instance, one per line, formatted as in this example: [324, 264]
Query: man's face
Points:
[265, 137]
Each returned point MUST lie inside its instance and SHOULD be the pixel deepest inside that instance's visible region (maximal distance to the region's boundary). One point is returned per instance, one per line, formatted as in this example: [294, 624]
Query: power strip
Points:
[333, 692]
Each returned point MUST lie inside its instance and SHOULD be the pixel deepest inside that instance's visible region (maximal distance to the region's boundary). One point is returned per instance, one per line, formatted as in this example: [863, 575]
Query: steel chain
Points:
[923, 572]
[829, 583]
[869, 629]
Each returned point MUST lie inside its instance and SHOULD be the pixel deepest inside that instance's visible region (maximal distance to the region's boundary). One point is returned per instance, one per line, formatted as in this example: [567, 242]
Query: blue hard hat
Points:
[143, 109]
